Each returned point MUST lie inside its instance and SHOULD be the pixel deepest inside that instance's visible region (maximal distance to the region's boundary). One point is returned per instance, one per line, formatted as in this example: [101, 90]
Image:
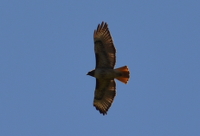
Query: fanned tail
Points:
[123, 74]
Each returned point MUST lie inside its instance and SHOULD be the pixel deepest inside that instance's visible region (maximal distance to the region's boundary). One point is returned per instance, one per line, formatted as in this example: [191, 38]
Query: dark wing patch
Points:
[104, 47]
[104, 95]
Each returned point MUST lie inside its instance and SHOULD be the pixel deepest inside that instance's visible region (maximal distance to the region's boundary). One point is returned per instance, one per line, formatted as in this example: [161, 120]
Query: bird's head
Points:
[91, 73]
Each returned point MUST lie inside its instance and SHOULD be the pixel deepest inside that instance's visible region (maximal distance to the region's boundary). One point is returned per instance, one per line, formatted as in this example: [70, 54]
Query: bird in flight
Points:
[104, 71]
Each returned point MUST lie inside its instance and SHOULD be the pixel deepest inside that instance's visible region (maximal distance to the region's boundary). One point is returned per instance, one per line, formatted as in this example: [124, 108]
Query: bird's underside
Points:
[104, 71]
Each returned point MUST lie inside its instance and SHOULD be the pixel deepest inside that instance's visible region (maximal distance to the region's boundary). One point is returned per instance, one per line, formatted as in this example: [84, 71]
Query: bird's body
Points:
[104, 71]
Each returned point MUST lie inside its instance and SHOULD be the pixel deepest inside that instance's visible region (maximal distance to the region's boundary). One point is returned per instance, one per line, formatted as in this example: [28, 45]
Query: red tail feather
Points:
[124, 74]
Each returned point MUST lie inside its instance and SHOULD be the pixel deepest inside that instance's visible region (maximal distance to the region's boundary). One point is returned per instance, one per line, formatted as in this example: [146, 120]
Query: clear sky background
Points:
[46, 49]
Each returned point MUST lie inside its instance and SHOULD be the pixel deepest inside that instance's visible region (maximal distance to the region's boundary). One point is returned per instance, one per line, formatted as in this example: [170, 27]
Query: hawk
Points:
[104, 71]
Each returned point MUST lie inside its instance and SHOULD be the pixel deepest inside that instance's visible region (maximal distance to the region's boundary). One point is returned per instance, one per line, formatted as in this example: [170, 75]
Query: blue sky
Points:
[46, 49]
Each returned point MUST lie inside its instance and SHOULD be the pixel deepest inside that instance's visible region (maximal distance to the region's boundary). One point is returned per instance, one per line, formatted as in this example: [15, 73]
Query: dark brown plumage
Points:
[104, 71]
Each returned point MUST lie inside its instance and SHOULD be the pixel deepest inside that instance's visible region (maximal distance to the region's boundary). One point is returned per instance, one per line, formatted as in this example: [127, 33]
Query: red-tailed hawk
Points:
[104, 71]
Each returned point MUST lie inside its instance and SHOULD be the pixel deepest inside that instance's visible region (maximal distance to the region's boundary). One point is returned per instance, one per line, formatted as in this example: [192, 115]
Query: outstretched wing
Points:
[104, 47]
[104, 95]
